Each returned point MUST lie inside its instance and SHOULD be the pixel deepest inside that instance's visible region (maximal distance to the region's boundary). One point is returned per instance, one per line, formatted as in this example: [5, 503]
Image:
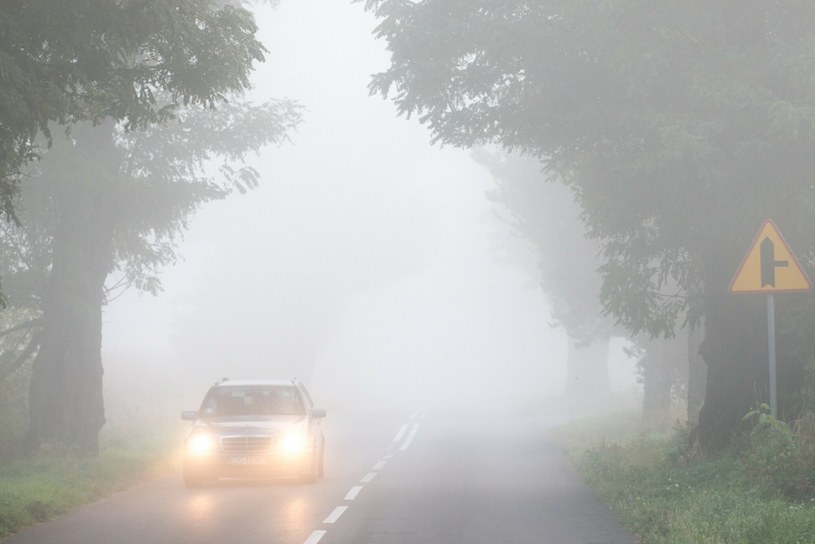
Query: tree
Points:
[679, 126]
[109, 201]
[115, 192]
[92, 60]
[545, 214]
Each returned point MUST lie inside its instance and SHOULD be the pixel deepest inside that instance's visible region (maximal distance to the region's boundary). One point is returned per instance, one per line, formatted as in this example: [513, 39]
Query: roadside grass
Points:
[37, 488]
[663, 495]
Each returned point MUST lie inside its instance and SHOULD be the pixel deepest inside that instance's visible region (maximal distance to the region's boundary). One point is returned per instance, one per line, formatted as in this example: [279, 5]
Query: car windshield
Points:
[227, 401]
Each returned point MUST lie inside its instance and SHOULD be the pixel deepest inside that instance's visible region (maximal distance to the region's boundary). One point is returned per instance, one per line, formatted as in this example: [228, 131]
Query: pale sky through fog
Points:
[367, 254]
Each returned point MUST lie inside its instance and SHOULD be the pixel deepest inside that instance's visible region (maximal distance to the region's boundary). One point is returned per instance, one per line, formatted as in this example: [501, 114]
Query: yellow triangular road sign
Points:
[770, 266]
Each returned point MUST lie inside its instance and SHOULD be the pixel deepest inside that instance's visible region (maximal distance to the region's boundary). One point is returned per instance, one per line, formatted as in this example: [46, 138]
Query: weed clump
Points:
[780, 458]
[758, 493]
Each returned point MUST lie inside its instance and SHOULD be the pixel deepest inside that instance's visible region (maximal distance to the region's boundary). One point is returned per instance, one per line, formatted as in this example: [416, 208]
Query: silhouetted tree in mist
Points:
[114, 194]
[546, 215]
[678, 126]
[92, 60]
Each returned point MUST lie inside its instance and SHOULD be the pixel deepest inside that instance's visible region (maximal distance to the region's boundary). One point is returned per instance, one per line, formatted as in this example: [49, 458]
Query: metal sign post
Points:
[771, 346]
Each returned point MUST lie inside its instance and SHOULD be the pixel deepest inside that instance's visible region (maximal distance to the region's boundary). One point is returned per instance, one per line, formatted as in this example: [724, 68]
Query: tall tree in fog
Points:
[115, 202]
[116, 192]
[680, 126]
[545, 214]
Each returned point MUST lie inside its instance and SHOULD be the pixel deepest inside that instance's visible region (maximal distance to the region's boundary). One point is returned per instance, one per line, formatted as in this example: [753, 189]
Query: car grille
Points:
[246, 444]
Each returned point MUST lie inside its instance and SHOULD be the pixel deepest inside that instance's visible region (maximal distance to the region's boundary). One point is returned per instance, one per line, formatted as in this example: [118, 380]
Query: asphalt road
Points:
[424, 478]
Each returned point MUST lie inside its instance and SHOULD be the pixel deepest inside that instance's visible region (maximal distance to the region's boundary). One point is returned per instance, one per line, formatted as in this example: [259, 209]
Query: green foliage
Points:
[679, 126]
[21, 326]
[13, 412]
[94, 59]
[33, 490]
[545, 214]
[170, 172]
[779, 458]
[772, 458]
[151, 94]
[674, 124]
[163, 170]
[795, 348]
[665, 495]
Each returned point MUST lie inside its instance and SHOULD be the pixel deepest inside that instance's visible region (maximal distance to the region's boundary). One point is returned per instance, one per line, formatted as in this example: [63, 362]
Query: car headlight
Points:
[293, 443]
[201, 444]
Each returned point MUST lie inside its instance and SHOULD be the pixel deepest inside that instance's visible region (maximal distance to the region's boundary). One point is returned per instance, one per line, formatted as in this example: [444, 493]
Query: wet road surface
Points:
[412, 478]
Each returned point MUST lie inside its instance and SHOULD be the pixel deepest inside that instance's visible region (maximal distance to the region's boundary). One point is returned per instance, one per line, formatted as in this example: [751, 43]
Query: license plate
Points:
[247, 460]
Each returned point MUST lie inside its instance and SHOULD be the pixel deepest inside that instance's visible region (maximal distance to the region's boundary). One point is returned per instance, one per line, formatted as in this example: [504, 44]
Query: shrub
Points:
[774, 460]
[13, 412]
[665, 495]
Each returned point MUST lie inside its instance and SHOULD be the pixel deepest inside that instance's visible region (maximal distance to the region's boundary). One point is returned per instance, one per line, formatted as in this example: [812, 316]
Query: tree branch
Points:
[22, 326]
[8, 368]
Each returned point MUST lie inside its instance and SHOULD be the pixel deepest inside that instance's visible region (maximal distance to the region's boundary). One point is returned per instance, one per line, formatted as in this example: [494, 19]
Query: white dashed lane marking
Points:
[315, 537]
[410, 429]
[352, 493]
[335, 515]
[402, 430]
[406, 444]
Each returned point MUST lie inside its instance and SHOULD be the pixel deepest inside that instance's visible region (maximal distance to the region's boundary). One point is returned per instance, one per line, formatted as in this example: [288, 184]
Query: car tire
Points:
[321, 462]
[313, 470]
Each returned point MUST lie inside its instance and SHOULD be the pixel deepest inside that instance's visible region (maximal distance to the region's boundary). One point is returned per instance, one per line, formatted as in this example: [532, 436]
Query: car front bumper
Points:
[219, 465]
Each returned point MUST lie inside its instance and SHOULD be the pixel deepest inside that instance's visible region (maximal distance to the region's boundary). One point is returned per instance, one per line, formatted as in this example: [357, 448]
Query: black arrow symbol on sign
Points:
[768, 263]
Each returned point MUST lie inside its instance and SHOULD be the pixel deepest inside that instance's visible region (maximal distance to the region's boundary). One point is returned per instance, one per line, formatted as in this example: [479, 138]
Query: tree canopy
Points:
[91, 60]
[545, 214]
[679, 126]
[145, 124]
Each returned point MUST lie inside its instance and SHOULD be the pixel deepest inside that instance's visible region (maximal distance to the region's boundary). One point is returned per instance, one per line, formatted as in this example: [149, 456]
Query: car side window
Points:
[209, 407]
[291, 404]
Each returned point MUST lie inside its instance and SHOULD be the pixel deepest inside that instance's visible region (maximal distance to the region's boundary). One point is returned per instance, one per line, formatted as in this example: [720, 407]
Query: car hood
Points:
[251, 425]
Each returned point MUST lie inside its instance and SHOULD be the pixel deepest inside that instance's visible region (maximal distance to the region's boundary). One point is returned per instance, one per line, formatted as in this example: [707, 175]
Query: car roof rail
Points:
[222, 380]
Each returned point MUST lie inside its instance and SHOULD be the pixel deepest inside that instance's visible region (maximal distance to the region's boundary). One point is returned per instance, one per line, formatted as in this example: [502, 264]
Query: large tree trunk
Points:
[697, 374]
[658, 367]
[587, 386]
[734, 349]
[66, 403]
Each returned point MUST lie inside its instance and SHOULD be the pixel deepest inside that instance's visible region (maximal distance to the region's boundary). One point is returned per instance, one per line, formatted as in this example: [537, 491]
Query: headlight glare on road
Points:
[201, 444]
[293, 443]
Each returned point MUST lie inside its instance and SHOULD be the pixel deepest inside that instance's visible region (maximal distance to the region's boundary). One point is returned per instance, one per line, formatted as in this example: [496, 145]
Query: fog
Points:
[369, 263]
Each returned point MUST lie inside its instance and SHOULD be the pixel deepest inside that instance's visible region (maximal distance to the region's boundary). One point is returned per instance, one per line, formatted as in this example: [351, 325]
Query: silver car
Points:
[254, 429]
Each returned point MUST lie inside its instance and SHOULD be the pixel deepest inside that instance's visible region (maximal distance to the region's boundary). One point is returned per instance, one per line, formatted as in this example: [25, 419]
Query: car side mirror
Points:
[189, 415]
[318, 412]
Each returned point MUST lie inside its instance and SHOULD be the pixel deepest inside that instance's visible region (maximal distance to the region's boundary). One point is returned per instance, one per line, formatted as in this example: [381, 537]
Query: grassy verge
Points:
[35, 489]
[662, 496]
